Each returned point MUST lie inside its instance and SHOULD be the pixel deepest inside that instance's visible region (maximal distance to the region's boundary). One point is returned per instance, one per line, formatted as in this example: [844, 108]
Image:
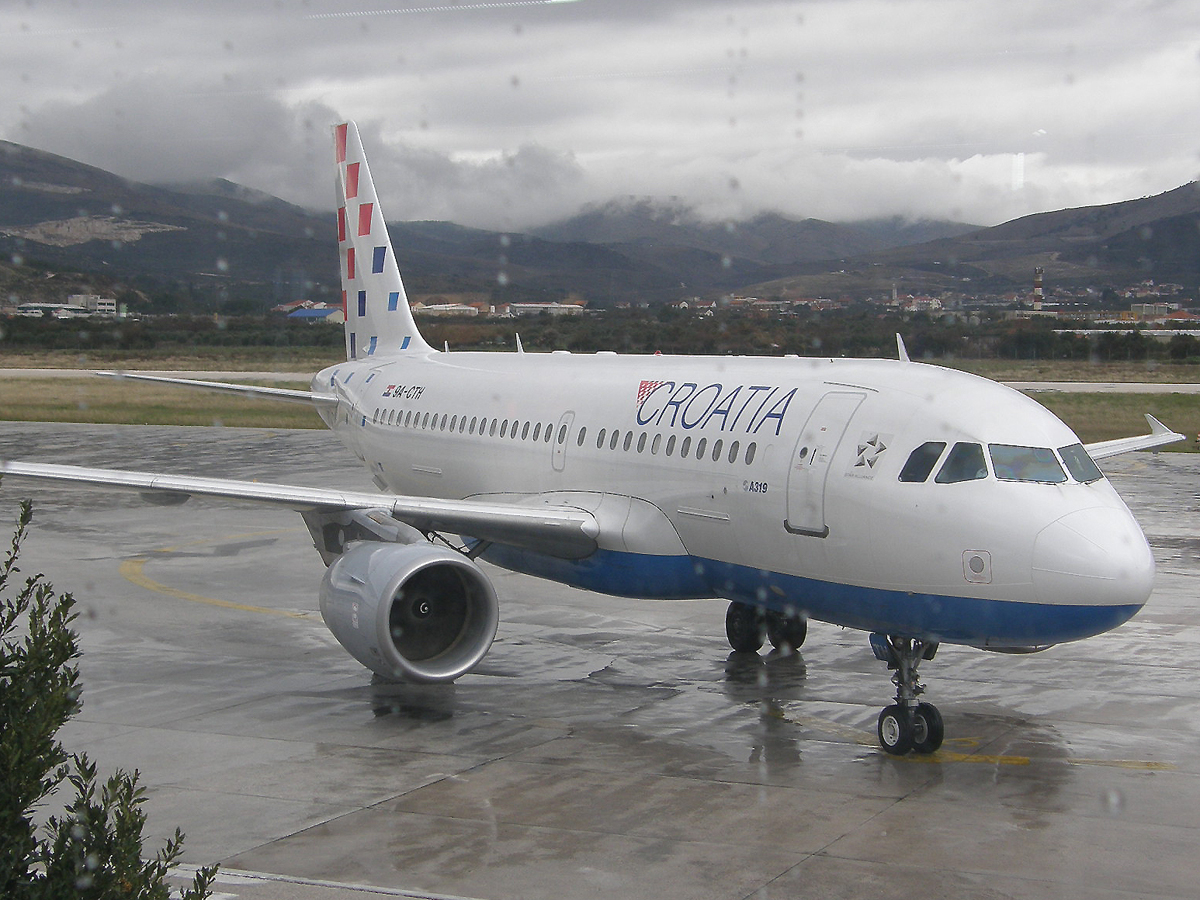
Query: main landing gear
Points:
[748, 627]
[907, 724]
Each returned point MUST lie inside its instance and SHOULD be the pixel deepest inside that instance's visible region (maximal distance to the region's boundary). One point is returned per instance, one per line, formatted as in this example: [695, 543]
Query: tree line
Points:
[854, 332]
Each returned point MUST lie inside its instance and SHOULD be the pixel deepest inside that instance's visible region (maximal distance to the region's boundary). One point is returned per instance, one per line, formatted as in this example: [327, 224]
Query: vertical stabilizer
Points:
[378, 320]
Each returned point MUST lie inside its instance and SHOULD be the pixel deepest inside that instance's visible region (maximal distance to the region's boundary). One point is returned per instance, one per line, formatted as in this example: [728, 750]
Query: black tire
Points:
[895, 730]
[785, 631]
[927, 728]
[746, 627]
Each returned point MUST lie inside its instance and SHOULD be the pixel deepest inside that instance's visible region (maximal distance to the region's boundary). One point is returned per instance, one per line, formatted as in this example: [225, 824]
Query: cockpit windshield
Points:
[1080, 464]
[1010, 462]
[964, 463]
[1026, 464]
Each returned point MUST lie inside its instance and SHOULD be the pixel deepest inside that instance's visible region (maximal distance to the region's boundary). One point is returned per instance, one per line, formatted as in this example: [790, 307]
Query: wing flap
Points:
[1159, 436]
[562, 531]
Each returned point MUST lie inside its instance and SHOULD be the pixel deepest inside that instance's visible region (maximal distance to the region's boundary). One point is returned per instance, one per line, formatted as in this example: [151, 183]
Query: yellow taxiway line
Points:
[133, 571]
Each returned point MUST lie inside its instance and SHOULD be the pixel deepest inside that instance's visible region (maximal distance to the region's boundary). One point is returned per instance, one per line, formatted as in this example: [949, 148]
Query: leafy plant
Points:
[93, 848]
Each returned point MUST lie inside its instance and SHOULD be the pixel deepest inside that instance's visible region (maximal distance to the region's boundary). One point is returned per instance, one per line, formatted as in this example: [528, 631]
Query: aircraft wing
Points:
[559, 530]
[245, 390]
[1159, 435]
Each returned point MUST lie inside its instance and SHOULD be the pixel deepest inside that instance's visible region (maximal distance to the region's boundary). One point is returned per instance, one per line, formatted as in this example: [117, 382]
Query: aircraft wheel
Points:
[786, 631]
[927, 728]
[745, 626]
[895, 731]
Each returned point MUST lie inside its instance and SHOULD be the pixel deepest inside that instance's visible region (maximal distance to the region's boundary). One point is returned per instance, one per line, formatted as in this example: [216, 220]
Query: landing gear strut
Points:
[748, 627]
[908, 724]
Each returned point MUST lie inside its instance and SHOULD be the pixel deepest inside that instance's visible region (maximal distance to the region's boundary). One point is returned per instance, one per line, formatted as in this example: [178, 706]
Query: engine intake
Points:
[416, 612]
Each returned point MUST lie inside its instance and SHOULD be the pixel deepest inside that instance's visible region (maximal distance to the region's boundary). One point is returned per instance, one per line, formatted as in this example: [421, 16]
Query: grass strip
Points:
[106, 401]
[1094, 417]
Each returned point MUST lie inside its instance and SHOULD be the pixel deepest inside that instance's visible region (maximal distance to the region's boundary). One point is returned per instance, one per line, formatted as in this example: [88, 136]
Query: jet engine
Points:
[416, 612]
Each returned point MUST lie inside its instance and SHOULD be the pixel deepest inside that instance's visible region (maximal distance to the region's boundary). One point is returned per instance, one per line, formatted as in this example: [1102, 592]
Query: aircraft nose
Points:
[1094, 556]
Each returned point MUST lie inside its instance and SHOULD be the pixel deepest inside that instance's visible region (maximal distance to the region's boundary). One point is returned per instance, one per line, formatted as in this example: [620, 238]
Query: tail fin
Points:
[378, 319]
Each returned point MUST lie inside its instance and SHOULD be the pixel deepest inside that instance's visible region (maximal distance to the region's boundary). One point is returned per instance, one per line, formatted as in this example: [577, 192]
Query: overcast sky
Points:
[508, 115]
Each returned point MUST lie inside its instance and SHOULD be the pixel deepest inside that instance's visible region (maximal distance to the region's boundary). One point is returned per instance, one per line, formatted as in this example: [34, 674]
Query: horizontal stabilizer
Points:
[246, 390]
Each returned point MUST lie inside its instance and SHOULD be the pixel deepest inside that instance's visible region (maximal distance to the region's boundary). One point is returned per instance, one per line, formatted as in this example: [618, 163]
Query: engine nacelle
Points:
[418, 612]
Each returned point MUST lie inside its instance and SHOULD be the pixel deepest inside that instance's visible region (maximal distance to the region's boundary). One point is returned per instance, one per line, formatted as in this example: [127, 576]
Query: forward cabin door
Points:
[809, 469]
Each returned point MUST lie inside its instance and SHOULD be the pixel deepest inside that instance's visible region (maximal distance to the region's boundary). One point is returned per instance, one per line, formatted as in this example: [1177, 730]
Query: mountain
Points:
[767, 239]
[64, 214]
[1154, 237]
[218, 241]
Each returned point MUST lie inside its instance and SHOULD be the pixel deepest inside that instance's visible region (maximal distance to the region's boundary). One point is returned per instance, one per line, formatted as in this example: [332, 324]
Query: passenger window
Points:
[582, 437]
[965, 463]
[628, 441]
[655, 444]
[716, 450]
[921, 461]
[600, 438]
[685, 447]
[612, 441]
[700, 446]
[525, 432]
[750, 451]
[641, 442]
[733, 452]
[1080, 464]
[670, 444]
[1026, 464]
[537, 430]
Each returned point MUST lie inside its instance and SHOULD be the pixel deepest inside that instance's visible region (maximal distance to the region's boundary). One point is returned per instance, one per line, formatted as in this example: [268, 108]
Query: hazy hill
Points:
[768, 239]
[1149, 238]
[220, 240]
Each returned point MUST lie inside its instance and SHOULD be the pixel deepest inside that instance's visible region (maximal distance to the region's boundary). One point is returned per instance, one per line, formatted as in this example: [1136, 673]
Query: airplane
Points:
[919, 504]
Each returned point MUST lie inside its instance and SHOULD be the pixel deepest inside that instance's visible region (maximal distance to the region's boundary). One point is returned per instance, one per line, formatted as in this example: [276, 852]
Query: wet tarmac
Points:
[606, 747]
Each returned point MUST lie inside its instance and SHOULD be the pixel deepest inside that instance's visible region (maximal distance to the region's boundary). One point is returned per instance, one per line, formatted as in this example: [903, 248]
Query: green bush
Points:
[93, 848]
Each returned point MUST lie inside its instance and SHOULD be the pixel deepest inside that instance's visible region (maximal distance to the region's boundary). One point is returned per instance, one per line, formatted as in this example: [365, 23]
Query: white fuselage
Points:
[769, 481]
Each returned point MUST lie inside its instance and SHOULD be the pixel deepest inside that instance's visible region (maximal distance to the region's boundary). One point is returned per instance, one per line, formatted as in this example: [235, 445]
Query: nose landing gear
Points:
[908, 724]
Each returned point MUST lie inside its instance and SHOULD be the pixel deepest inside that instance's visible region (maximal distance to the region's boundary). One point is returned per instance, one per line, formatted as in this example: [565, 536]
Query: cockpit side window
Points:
[1026, 464]
[1080, 464]
[964, 463]
[921, 461]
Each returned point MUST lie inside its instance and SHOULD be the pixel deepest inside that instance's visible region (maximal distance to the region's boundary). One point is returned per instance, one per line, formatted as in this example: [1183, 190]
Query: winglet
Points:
[520, 349]
[1157, 427]
[901, 349]
[1159, 435]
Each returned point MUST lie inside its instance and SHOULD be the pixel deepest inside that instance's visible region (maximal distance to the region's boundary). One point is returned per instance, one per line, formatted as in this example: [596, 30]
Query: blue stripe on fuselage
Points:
[958, 620]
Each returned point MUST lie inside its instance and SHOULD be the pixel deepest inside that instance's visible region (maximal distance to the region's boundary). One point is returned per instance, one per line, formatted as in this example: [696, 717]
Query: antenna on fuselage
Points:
[901, 349]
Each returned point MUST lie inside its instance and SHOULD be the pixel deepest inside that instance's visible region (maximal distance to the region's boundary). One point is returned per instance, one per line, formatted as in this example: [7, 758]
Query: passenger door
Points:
[809, 469]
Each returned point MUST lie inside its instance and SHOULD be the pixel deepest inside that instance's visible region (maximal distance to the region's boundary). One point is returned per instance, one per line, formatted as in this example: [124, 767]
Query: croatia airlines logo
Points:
[738, 408]
[646, 388]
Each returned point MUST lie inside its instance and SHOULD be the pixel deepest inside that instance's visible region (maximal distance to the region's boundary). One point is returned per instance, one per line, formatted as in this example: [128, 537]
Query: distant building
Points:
[444, 309]
[555, 309]
[329, 315]
[53, 311]
[95, 304]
